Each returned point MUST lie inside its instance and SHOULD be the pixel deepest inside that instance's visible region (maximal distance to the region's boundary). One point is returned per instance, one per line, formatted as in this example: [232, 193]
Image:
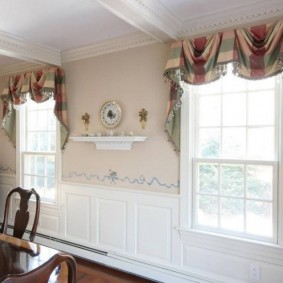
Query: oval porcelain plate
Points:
[110, 114]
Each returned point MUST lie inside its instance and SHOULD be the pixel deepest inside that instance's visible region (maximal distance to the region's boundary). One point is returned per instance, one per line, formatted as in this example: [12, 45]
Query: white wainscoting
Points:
[135, 223]
[139, 232]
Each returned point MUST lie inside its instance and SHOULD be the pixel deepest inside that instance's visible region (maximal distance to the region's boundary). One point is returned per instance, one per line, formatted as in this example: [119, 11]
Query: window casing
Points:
[38, 148]
[232, 153]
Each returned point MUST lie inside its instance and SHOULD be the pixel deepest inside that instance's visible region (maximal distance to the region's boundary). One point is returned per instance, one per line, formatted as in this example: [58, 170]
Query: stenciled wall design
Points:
[113, 178]
[7, 170]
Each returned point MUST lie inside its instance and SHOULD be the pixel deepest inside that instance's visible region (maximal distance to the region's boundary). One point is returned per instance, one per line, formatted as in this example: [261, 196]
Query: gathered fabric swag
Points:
[39, 86]
[256, 53]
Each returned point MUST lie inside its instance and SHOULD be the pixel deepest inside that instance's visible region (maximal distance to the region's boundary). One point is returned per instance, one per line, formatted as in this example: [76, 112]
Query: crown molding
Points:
[118, 44]
[155, 23]
[229, 18]
[21, 67]
[18, 48]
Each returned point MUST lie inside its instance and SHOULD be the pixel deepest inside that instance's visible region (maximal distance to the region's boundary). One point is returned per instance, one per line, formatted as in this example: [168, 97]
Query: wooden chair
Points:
[22, 214]
[43, 272]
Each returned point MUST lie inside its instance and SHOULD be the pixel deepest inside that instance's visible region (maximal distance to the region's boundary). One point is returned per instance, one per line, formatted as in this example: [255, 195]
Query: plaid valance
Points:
[40, 86]
[256, 53]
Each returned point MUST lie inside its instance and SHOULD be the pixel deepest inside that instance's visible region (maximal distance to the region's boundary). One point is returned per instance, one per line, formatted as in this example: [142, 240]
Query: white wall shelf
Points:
[111, 142]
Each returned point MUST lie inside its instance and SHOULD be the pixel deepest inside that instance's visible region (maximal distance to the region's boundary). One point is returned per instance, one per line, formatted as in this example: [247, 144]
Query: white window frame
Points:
[215, 241]
[20, 150]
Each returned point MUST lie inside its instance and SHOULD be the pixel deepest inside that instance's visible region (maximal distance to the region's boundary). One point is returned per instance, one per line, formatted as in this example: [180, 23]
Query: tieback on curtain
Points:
[255, 52]
[40, 86]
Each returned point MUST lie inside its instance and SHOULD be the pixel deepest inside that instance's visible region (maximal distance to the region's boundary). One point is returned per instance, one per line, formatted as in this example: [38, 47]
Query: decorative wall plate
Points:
[110, 114]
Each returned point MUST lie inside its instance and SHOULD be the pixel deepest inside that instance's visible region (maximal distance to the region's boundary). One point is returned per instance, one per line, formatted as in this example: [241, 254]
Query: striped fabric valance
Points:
[40, 86]
[256, 53]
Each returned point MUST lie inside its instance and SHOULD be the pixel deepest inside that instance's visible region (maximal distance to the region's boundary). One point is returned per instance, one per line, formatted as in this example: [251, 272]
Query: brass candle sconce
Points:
[143, 117]
[86, 120]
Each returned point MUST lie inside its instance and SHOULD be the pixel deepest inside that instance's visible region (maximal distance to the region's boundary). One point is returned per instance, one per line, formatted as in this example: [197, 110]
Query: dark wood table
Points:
[19, 256]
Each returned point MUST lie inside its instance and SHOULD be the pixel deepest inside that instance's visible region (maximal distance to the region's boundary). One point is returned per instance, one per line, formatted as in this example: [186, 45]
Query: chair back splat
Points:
[22, 214]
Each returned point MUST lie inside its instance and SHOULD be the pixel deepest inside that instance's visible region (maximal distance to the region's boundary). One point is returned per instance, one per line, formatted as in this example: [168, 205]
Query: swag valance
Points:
[256, 53]
[40, 86]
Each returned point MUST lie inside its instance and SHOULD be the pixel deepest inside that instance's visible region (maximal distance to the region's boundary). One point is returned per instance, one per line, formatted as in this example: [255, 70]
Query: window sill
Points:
[271, 253]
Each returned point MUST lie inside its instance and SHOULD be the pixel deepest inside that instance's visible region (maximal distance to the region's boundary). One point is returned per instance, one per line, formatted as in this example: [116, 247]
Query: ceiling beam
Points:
[18, 48]
[147, 16]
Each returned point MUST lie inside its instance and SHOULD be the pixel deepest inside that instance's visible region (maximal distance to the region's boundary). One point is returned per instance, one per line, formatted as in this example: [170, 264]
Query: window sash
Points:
[218, 195]
[189, 159]
[37, 175]
[44, 181]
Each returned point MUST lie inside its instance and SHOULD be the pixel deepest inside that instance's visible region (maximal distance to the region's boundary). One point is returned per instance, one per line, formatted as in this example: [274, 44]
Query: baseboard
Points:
[114, 260]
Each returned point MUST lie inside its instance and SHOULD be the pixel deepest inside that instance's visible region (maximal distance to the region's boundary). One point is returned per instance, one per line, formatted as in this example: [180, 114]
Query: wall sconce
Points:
[85, 119]
[143, 117]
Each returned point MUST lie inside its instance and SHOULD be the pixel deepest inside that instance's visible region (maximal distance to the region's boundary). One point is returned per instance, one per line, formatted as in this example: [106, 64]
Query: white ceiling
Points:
[56, 31]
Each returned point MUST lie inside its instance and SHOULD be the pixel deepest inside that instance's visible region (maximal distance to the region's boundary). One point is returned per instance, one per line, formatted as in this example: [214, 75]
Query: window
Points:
[235, 156]
[38, 148]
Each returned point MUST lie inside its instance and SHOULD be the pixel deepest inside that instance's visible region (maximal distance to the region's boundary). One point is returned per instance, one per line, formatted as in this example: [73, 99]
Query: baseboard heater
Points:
[82, 247]
[68, 243]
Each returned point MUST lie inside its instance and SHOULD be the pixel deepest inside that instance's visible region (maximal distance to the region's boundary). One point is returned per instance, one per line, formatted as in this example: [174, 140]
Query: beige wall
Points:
[134, 79]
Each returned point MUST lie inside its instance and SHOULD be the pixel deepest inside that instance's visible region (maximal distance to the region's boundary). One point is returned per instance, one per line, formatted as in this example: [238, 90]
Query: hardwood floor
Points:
[91, 272]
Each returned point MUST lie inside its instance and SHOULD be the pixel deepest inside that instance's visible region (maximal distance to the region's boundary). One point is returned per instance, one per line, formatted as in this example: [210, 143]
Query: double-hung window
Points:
[235, 156]
[38, 148]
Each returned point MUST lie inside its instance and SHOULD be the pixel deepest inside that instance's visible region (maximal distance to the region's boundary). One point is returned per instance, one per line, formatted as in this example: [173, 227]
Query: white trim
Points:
[118, 44]
[21, 49]
[19, 68]
[251, 249]
[187, 170]
[133, 265]
[228, 18]
[186, 148]
[154, 22]
[280, 167]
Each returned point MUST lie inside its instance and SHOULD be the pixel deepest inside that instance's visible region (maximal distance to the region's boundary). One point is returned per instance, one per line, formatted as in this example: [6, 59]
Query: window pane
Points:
[40, 182]
[261, 84]
[32, 141]
[210, 110]
[232, 214]
[29, 164]
[261, 143]
[29, 181]
[40, 165]
[261, 108]
[42, 120]
[259, 218]
[231, 83]
[207, 213]
[52, 141]
[32, 121]
[259, 182]
[234, 109]
[209, 142]
[51, 121]
[208, 178]
[232, 180]
[234, 143]
[50, 166]
[211, 88]
[43, 141]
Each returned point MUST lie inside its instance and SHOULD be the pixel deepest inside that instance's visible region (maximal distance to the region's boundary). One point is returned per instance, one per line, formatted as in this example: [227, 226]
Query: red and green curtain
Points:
[40, 86]
[256, 53]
